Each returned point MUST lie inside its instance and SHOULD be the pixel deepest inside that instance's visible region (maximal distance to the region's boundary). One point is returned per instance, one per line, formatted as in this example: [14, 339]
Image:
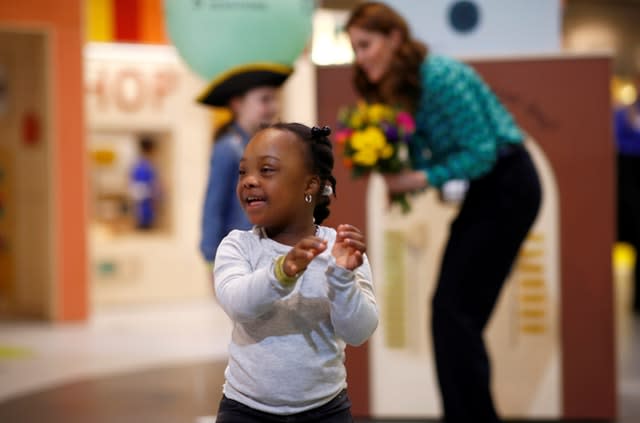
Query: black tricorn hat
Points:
[240, 79]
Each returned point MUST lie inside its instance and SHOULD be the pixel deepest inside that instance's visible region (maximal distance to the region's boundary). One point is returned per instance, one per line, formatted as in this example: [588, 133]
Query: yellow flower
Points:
[387, 151]
[378, 112]
[366, 157]
[356, 120]
[361, 106]
[358, 116]
[369, 138]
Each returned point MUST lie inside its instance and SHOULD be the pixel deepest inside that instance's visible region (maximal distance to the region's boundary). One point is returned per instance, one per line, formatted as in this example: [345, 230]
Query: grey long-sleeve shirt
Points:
[286, 353]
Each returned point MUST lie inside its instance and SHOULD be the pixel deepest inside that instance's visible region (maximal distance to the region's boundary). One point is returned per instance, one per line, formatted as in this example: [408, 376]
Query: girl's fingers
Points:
[355, 241]
[305, 251]
[300, 255]
[351, 231]
[312, 243]
[358, 246]
[351, 237]
[347, 228]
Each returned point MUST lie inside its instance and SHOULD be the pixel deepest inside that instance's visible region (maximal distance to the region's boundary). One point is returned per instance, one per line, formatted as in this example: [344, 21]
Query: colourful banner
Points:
[131, 21]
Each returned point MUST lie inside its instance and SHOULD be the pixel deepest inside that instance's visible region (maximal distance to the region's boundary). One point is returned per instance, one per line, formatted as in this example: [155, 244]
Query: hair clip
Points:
[327, 190]
[317, 132]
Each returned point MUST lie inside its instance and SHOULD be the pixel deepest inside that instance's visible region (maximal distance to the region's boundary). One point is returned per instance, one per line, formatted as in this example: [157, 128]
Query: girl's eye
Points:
[241, 172]
[267, 170]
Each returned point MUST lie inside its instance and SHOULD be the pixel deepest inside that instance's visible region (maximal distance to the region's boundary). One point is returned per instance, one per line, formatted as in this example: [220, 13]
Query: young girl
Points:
[297, 292]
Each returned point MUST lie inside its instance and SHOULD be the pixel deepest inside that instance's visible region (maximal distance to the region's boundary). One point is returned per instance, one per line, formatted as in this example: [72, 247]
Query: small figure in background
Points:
[144, 186]
[627, 133]
[252, 98]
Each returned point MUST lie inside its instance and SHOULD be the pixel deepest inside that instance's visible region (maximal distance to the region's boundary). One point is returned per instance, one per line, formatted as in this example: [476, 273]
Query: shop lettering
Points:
[130, 90]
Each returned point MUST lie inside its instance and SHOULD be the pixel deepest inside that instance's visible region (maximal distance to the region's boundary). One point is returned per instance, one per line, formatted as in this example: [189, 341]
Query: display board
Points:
[563, 279]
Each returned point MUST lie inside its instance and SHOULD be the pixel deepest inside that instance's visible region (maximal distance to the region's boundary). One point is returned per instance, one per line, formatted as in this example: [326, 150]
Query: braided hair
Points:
[320, 157]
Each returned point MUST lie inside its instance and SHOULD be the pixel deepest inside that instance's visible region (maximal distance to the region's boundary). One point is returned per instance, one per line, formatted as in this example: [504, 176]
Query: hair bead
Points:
[317, 132]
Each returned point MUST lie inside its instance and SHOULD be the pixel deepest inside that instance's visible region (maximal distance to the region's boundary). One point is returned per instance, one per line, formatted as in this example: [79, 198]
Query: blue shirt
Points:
[627, 136]
[143, 189]
[222, 211]
[460, 123]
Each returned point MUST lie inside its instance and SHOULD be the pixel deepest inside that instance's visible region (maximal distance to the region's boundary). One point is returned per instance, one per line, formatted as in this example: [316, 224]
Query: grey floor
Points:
[42, 368]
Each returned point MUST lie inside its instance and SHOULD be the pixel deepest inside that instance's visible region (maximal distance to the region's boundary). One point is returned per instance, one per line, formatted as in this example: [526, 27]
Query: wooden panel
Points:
[564, 103]
[65, 127]
[334, 91]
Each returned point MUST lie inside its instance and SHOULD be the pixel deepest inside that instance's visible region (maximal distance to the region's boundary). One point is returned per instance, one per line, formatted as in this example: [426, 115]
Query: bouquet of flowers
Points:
[376, 138]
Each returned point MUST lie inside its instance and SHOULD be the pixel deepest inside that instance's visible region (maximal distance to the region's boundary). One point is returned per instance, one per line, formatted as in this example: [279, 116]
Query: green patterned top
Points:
[460, 123]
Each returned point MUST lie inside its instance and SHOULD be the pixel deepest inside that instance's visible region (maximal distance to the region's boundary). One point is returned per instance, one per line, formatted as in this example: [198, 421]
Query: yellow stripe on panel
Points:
[534, 329]
[531, 313]
[529, 267]
[528, 253]
[395, 290]
[532, 283]
[533, 298]
[533, 301]
[99, 20]
[535, 237]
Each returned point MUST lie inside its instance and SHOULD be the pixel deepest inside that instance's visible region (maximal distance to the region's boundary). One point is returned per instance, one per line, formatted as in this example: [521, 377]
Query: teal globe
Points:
[215, 36]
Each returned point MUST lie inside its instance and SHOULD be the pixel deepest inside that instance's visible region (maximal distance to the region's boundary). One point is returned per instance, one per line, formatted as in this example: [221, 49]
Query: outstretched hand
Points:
[349, 247]
[299, 257]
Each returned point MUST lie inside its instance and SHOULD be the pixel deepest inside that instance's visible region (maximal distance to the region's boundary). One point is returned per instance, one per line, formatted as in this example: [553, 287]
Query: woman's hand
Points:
[405, 181]
[349, 247]
[299, 257]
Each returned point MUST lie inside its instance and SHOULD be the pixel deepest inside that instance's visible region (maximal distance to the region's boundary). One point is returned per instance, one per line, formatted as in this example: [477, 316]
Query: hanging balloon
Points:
[215, 36]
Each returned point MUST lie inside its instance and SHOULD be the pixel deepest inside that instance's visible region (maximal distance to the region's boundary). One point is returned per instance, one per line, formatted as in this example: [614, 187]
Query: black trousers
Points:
[338, 410]
[629, 212]
[484, 239]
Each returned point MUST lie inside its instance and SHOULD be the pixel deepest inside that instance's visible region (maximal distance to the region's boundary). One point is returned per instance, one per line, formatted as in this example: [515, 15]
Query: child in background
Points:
[253, 103]
[144, 187]
[297, 292]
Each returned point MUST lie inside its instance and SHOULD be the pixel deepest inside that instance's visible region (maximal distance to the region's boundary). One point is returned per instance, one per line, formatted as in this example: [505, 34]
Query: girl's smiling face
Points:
[273, 179]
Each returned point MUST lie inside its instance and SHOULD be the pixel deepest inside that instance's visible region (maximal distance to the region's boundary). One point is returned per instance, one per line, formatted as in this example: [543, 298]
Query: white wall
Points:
[299, 93]
[504, 26]
[138, 88]
[523, 336]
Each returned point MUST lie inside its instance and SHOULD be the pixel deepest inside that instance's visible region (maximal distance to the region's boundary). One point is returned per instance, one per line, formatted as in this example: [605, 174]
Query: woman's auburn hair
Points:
[401, 84]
